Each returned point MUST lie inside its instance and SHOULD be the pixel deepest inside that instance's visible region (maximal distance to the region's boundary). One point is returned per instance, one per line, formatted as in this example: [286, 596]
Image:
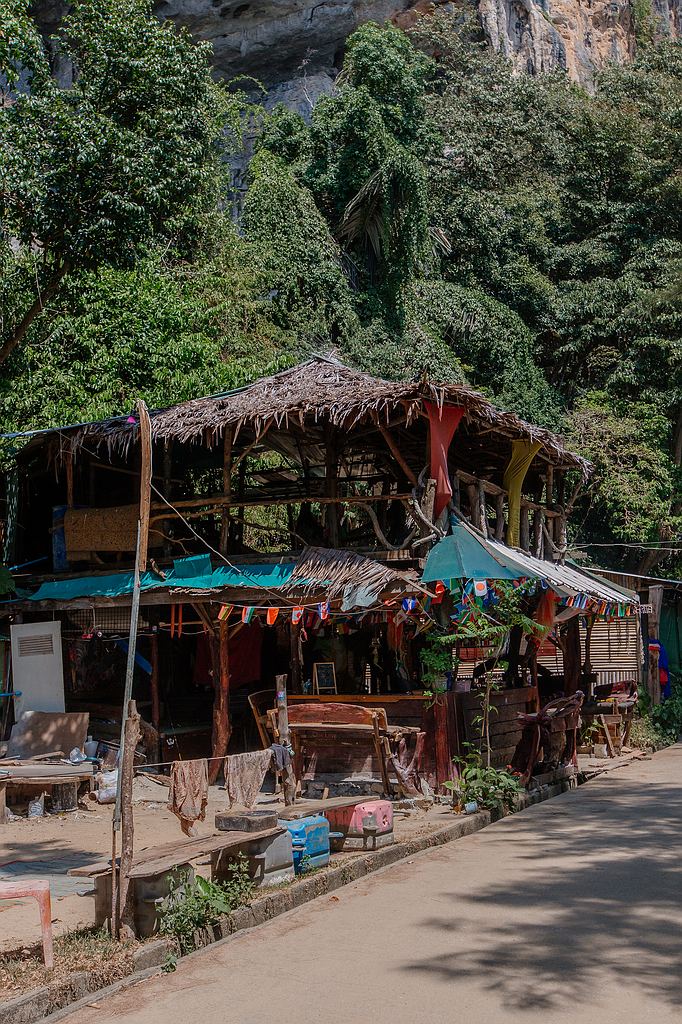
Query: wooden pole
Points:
[499, 517]
[227, 489]
[456, 498]
[145, 481]
[69, 479]
[140, 561]
[482, 517]
[154, 687]
[397, 455]
[130, 668]
[221, 703]
[571, 652]
[126, 902]
[284, 738]
[296, 660]
[332, 488]
[524, 530]
[474, 510]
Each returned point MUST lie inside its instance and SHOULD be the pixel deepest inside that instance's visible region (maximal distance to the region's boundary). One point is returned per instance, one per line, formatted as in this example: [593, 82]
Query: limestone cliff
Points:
[578, 36]
[282, 41]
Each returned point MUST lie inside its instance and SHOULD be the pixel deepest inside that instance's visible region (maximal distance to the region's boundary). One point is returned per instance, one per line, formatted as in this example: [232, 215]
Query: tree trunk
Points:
[36, 308]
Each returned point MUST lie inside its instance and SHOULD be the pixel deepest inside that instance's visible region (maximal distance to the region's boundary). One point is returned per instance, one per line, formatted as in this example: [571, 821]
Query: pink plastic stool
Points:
[39, 891]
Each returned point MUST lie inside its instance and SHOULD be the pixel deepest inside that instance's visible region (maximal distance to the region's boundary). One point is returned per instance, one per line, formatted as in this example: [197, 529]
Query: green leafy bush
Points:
[197, 903]
[667, 717]
[491, 788]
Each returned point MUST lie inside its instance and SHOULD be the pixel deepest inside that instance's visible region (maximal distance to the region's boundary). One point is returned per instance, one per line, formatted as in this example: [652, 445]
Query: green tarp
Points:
[462, 556]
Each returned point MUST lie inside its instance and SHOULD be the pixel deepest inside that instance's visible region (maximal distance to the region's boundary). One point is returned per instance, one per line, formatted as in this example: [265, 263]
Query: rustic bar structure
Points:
[288, 526]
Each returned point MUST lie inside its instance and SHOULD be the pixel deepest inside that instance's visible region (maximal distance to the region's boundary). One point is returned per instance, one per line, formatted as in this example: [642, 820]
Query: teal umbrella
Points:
[463, 556]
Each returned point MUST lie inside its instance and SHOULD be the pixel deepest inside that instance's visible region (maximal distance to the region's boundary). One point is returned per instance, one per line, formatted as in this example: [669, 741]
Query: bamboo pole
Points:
[124, 781]
[145, 481]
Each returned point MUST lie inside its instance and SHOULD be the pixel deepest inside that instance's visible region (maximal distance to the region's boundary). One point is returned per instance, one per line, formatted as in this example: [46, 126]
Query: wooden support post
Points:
[154, 688]
[589, 626]
[482, 516]
[221, 702]
[332, 488]
[472, 494]
[455, 492]
[443, 757]
[145, 481]
[397, 455]
[296, 659]
[549, 487]
[571, 651]
[499, 516]
[69, 479]
[227, 489]
[126, 902]
[284, 738]
[538, 536]
[524, 531]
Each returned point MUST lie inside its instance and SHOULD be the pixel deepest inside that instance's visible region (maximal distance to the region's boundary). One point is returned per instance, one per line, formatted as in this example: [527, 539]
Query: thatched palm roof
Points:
[316, 393]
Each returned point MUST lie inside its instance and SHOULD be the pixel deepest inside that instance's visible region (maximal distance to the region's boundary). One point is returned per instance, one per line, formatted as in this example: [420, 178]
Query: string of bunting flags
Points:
[322, 612]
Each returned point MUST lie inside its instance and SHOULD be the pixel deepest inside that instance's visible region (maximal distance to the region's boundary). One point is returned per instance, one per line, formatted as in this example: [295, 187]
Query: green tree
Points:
[92, 174]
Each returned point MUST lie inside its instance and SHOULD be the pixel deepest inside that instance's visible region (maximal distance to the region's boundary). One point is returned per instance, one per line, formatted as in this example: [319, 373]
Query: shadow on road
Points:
[593, 894]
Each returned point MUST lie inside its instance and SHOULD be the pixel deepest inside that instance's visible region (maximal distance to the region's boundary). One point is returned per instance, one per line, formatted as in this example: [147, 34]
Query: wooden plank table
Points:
[40, 776]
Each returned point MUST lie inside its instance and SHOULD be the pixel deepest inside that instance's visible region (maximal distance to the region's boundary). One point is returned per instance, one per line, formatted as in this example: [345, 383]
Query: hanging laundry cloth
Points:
[282, 755]
[244, 774]
[188, 794]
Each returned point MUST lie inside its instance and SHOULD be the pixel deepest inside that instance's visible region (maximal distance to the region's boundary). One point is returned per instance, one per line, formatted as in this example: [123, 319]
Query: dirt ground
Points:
[57, 842]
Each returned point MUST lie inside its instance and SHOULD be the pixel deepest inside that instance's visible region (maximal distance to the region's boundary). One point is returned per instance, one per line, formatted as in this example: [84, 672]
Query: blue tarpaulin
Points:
[195, 573]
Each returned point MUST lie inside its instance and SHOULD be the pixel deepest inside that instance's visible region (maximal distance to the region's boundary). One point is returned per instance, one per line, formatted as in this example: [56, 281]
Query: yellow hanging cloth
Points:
[523, 453]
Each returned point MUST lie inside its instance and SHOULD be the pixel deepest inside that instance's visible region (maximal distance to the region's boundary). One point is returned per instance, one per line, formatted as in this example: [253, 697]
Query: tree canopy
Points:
[436, 213]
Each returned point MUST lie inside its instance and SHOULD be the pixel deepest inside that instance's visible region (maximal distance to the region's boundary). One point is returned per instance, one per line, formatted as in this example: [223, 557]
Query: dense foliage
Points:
[435, 213]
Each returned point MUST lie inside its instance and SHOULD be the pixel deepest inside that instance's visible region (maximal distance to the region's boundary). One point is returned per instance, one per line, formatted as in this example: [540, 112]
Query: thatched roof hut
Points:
[312, 397]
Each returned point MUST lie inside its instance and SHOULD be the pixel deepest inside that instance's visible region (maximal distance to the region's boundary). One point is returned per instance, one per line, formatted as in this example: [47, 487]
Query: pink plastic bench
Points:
[39, 891]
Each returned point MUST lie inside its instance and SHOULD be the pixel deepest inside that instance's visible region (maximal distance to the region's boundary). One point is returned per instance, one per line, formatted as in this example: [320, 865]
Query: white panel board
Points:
[37, 667]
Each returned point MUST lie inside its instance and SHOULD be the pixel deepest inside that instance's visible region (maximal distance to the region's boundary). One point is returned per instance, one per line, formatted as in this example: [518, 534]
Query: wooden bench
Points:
[154, 868]
[156, 860]
[344, 721]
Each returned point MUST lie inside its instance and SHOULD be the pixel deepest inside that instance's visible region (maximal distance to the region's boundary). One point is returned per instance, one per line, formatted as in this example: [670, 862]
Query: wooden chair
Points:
[261, 703]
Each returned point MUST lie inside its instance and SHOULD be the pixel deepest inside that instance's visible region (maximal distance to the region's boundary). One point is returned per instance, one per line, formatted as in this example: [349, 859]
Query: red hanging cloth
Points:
[443, 422]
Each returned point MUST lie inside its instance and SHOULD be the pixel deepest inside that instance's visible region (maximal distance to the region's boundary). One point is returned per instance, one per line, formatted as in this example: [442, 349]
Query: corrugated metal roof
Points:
[564, 579]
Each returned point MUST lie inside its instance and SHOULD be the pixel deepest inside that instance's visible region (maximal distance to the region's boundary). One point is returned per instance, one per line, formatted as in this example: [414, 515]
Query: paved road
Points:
[568, 912]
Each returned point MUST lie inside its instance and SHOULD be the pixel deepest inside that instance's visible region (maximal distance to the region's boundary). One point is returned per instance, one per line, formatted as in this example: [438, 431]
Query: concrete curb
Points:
[53, 1002]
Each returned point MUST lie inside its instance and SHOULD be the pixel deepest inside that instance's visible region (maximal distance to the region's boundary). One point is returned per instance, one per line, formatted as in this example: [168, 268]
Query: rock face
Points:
[284, 41]
[578, 36]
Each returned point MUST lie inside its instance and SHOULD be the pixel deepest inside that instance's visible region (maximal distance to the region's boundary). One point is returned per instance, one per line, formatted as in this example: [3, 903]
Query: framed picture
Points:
[324, 677]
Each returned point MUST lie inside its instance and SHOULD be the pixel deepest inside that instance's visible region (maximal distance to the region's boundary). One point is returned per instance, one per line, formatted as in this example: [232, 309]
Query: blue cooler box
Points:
[310, 840]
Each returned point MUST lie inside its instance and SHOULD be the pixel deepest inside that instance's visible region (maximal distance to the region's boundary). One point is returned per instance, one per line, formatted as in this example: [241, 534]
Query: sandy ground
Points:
[69, 840]
[565, 914]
